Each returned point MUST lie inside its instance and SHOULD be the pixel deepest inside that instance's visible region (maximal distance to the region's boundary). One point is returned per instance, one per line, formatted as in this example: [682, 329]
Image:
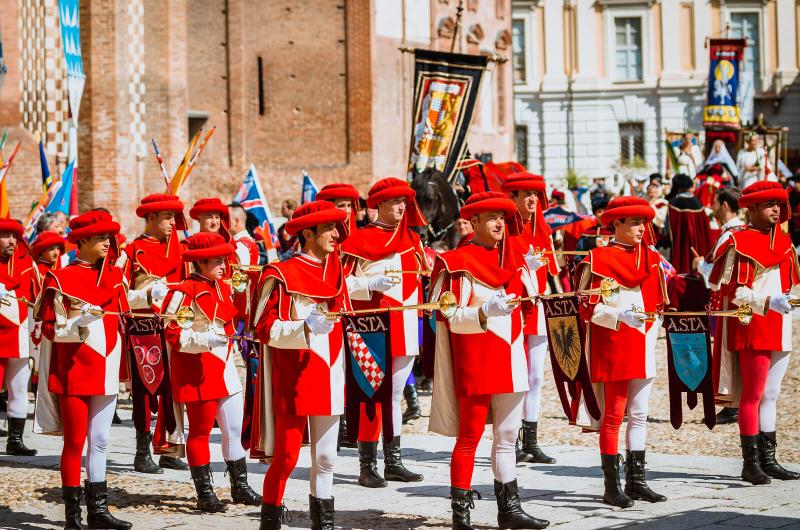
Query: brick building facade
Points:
[291, 85]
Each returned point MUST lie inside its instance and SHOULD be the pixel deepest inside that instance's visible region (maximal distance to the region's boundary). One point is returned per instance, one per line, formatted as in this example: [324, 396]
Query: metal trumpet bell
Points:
[184, 317]
[448, 304]
[239, 281]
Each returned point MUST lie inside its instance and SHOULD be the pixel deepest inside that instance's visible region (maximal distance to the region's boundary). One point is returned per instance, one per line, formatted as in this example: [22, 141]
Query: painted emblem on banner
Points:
[566, 344]
[367, 339]
[437, 121]
[148, 351]
[690, 356]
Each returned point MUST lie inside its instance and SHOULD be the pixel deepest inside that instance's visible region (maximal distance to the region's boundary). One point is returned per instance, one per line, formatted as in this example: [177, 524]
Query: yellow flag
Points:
[180, 174]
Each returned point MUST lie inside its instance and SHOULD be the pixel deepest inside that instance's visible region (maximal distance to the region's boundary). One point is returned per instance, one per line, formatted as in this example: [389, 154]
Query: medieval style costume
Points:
[301, 371]
[368, 254]
[622, 347]
[148, 265]
[481, 365]
[80, 307]
[757, 268]
[531, 248]
[688, 224]
[203, 374]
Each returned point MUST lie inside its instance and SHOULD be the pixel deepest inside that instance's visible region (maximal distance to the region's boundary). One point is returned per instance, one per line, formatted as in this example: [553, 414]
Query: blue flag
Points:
[63, 198]
[46, 179]
[309, 192]
[251, 197]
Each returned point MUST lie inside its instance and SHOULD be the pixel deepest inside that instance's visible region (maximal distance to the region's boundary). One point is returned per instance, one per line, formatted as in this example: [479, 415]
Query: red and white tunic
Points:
[197, 373]
[85, 360]
[618, 352]
[15, 274]
[246, 255]
[145, 261]
[369, 252]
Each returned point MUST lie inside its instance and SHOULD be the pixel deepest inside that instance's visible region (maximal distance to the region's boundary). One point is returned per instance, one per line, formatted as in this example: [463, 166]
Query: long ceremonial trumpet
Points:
[744, 313]
[238, 280]
[184, 316]
[396, 274]
[248, 267]
[4, 300]
[608, 290]
[446, 305]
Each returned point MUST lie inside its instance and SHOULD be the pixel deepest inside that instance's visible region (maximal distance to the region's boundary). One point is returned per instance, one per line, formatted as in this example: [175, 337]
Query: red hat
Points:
[762, 191]
[46, 240]
[388, 188]
[312, 214]
[488, 201]
[523, 181]
[622, 207]
[90, 224]
[557, 195]
[159, 202]
[206, 245]
[210, 205]
[7, 224]
[337, 190]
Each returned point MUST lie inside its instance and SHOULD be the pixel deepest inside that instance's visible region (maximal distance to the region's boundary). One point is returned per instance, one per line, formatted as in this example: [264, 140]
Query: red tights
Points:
[201, 420]
[754, 366]
[370, 430]
[75, 423]
[288, 439]
[472, 412]
[616, 398]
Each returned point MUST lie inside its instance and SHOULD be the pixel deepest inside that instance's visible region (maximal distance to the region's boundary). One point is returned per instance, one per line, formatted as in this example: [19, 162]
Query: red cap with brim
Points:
[91, 224]
[488, 201]
[210, 205]
[765, 191]
[313, 214]
[46, 240]
[524, 181]
[159, 202]
[206, 245]
[623, 207]
[389, 188]
[8, 224]
[338, 190]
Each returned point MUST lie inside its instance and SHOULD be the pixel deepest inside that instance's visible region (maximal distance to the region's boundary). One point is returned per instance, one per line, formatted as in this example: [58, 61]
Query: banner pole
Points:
[459, 13]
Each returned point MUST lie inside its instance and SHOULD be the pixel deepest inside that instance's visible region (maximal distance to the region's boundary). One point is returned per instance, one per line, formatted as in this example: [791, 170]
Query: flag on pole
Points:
[309, 191]
[251, 197]
[4, 169]
[63, 199]
[69, 15]
[29, 225]
[161, 165]
[47, 181]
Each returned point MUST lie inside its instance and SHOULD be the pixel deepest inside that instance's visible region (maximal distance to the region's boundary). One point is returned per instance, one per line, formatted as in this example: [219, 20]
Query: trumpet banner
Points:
[722, 107]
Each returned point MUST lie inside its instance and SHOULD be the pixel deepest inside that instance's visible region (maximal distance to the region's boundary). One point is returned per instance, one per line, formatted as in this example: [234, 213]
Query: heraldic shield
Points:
[565, 341]
[147, 346]
[690, 355]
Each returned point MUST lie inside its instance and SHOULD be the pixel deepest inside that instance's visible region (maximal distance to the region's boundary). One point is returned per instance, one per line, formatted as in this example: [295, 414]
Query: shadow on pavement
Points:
[26, 521]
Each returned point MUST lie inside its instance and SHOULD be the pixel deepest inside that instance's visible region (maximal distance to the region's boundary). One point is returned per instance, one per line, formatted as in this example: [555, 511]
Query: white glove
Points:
[534, 260]
[158, 290]
[210, 339]
[380, 283]
[745, 295]
[498, 305]
[780, 304]
[87, 317]
[631, 318]
[3, 290]
[318, 323]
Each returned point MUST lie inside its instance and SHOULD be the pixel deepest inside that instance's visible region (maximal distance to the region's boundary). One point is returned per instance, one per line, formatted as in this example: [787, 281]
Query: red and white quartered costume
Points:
[15, 276]
[480, 361]
[301, 373]
[85, 362]
[367, 254]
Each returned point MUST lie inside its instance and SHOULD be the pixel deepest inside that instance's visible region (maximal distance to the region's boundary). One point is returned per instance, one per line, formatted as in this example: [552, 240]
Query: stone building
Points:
[291, 85]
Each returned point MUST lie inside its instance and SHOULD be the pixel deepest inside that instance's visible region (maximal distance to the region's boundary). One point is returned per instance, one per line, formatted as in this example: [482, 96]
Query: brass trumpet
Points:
[396, 274]
[184, 316]
[248, 267]
[541, 252]
[4, 300]
[744, 313]
[446, 305]
[238, 281]
[608, 290]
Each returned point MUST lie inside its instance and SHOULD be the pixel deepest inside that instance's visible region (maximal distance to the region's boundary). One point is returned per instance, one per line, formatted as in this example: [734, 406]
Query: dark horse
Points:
[440, 203]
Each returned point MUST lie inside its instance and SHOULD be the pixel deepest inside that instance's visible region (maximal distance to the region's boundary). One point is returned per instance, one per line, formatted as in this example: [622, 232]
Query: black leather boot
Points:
[769, 463]
[143, 462]
[751, 468]
[393, 468]
[272, 516]
[344, 438]
[530, 443]
[613, 493]
[207, 501]
[727, 415]
[635, 485]
[97, 508]
[509, 508]
[321, 513]
[72, 507]
[413, 410]
[14, 444]
[461, 502]
[171, 462]
[241, 492]
[368, 459]
[522, 456]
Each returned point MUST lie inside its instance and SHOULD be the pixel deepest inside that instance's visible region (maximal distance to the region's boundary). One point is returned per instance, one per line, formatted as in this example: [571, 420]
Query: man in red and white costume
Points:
[203, 373]
[80, 307]
[212, 215]
[757, 266]
[388, 243]
[531, 247]
[480, 357]
[15, 291]
[301, 373]
[149, 263]
[622, 346]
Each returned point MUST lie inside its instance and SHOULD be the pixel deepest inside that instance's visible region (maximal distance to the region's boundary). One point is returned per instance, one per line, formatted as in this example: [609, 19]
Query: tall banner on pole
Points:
[446, 87]
[722, 108]
[69, 15]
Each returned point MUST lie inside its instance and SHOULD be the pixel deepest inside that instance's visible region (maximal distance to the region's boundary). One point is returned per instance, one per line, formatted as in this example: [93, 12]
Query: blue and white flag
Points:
[69, 15]
[309, 192]
[251, 197]
[62, 200]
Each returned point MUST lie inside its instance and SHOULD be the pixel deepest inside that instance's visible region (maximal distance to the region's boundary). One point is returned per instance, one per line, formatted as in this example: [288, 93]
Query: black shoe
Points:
[97, 508]
[72, 507]
[344, 438]
[727, 415]
[751, 468]
[171, 462]
[14, 444]
[272, 516]
[635, 486]
[509, 508]
[530, 443]
[321, 513]
[769, 464]
[116, 420]
[613, 493]
[143, 462]
[206, 500]
[461, 502]
[522, 456]
[241, 492]
[368, 460]
[393, 468]
[413, 410]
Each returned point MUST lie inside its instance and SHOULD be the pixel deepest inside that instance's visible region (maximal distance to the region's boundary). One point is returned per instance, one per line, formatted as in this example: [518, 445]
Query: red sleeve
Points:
[46, 307]
[585, 280]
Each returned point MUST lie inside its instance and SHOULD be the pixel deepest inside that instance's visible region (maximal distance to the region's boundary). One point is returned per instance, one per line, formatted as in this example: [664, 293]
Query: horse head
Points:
[439, 203]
